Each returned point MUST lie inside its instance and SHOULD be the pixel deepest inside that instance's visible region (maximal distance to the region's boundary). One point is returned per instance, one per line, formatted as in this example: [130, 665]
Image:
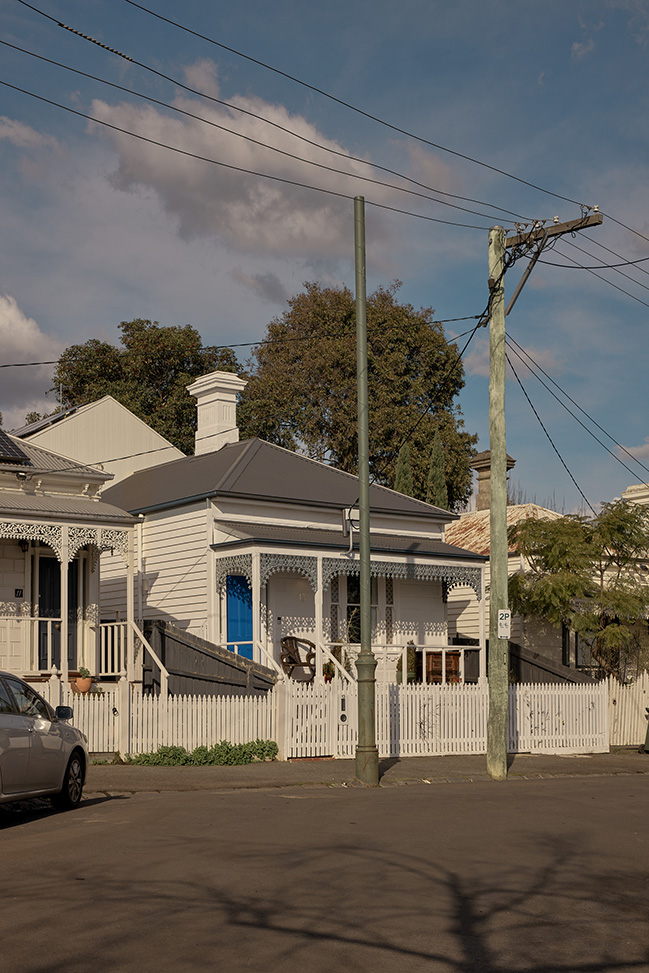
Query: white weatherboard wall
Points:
[419, 615]
[172, 584]
[463, 608]
[107, 433]
[112, 586]
[464, 619]
[175, 560]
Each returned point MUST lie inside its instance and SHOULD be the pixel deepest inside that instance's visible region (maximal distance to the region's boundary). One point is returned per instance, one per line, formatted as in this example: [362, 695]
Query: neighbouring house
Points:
[539, 651]
[53, 528]
[245, 544]
[637, 493]
[104, 434]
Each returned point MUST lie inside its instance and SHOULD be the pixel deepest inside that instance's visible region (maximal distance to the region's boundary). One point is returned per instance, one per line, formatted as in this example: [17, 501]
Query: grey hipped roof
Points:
[256, 469]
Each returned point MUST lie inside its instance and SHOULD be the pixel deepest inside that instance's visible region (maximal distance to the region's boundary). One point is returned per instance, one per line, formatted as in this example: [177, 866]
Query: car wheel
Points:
[70, 794]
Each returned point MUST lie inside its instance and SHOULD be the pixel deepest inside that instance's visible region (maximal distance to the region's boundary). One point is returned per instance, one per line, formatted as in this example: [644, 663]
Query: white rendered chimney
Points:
[216, 402]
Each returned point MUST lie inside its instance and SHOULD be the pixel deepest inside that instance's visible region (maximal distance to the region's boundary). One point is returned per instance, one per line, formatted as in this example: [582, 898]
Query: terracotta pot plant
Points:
[84, 680]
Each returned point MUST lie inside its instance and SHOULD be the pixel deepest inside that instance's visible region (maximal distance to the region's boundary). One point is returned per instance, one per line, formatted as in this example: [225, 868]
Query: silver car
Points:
[40, 754]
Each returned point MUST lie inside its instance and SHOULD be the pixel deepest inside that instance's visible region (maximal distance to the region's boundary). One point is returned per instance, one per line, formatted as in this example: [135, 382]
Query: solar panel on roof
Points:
[10, 452]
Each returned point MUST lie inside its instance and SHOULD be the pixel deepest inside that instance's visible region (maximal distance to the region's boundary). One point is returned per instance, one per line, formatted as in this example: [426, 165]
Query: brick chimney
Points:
[216, 402]
[482, 463]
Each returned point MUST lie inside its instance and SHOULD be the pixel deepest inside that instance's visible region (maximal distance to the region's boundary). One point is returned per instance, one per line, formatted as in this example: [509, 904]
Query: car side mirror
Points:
[63, 712]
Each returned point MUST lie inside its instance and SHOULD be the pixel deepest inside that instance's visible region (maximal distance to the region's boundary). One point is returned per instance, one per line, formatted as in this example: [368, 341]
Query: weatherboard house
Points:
[538, 650]
[245, 544]
[104, 434]
[53, 529]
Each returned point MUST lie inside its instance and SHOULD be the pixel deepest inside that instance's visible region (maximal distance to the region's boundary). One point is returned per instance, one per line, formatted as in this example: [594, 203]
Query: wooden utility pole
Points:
[499, 614]
[498, 663]
[367, 754]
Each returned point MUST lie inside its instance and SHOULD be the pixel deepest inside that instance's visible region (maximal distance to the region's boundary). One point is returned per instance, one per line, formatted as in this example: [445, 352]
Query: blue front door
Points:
[239, 613]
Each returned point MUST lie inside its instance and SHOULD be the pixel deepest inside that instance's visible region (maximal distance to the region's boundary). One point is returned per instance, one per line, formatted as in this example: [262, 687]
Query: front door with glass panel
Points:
[239, 615]
[49, 607]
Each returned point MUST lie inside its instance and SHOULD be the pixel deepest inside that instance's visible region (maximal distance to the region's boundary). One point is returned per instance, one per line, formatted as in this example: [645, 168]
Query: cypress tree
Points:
[403, 476]
[436, 492]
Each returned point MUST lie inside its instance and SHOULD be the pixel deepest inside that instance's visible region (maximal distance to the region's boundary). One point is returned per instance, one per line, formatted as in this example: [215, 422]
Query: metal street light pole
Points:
[367, 755]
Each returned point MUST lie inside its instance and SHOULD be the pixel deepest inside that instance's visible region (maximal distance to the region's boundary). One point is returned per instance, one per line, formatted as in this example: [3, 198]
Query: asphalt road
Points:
[541, 875]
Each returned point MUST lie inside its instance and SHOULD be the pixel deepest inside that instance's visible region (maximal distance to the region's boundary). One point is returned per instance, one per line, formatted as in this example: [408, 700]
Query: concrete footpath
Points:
[129, 779]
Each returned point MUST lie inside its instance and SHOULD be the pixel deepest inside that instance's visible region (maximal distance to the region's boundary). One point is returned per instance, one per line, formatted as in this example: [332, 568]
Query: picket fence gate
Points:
[627, 711]
[322, 720]
[425, 720]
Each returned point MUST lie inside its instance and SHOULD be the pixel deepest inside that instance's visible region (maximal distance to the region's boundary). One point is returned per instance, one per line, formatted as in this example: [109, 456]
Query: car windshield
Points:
[6, 703]
[28, 702]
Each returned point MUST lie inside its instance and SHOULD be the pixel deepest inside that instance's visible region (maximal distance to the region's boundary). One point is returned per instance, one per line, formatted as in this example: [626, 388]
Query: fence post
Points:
[123, 715]
[55, 688]
[281, 702]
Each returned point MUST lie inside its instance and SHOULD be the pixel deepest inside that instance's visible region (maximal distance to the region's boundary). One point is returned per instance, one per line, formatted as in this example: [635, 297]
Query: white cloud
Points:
[640, 452]
[248, 213]
[580, 49]
[476, 361]
[23, 136]
[429, 168]
[202, 76]
[23, 341]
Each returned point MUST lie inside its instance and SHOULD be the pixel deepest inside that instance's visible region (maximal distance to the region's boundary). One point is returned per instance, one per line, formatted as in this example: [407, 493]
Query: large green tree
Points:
[301, 392]
[589, 574]
[148, 374]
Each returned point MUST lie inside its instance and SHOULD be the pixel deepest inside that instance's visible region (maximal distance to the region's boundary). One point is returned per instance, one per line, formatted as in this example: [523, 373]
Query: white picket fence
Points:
[196, 721]
[627, 711]
[428, 720]
[123, 720]
[321, 720]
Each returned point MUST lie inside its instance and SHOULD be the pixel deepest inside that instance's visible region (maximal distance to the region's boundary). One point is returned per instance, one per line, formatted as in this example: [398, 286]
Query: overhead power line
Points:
[535, 368]
[250, 139]
[625, 263]
[339, 101]
[549, 438]
[24, 364]
[572, 244]
[345, 104]
[614, 253]
[248, 112]
[577, 419]
[227, 165]
[276, 341]
[605, 279]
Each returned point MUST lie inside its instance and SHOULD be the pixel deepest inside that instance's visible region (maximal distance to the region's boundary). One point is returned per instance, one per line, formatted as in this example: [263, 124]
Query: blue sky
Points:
[98, 227]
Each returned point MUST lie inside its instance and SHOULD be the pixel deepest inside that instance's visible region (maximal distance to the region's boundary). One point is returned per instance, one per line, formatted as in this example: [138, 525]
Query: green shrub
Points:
[218, 754]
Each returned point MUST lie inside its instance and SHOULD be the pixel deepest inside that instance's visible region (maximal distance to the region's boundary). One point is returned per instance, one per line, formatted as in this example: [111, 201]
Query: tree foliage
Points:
[148, 374]
[302, 388]
[436, 491]
[403, 476]
[589, 574]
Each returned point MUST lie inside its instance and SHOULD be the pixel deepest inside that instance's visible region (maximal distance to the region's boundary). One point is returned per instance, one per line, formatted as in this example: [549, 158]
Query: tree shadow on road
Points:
[334, 899]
